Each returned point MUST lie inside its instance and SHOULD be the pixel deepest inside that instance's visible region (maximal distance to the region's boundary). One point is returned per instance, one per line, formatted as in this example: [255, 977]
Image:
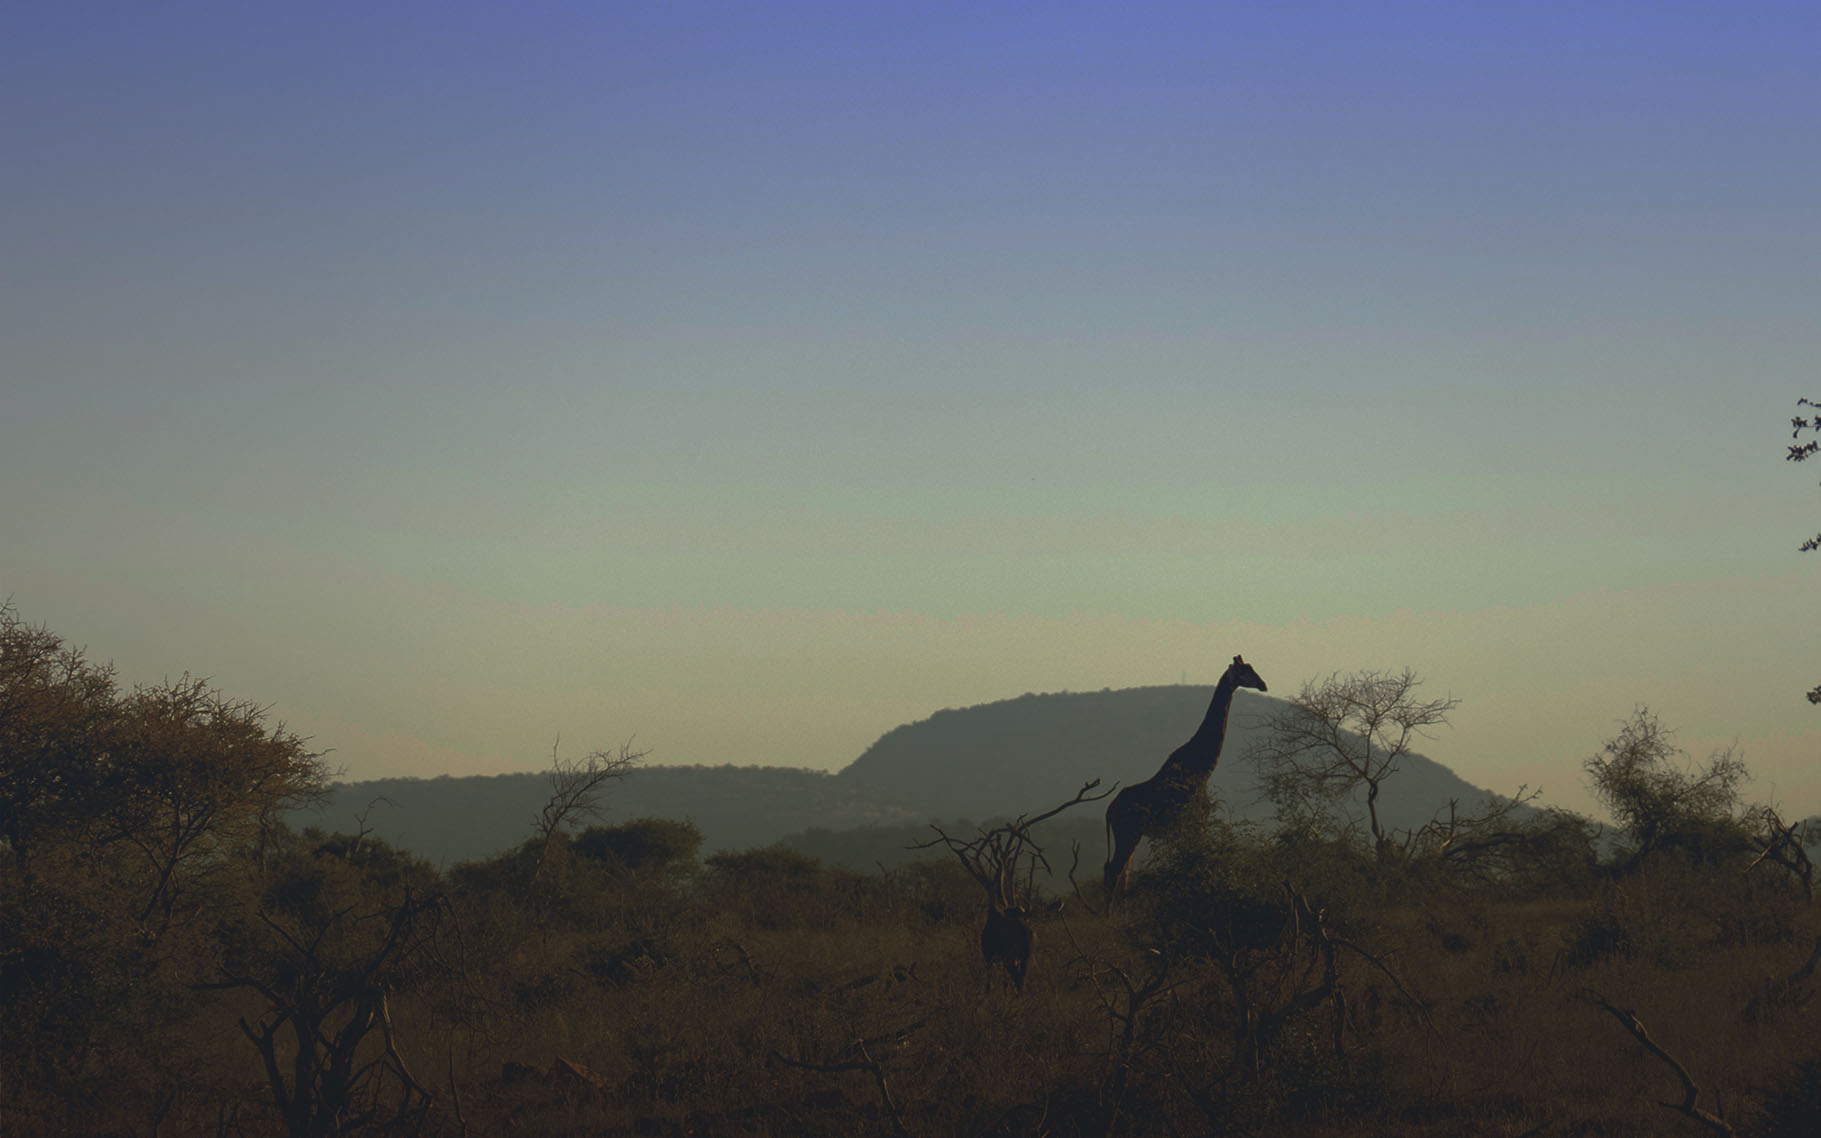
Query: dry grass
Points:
[789, 1026]
[812, 1002]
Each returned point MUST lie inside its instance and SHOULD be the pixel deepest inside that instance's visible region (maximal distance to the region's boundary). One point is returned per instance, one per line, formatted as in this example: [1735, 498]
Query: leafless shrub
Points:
[996, 859]
[326, 986]
[1348, 731]
[1784, 846]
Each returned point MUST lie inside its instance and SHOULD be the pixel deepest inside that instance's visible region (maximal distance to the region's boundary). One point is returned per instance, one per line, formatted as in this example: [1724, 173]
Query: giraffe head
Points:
[1243, 676]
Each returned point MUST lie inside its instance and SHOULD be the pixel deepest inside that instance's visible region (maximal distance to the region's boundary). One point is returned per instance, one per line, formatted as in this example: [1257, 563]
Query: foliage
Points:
[1660, 800]
[57, 718]
[643, 844]
[1504, 841]
[1784, 845]
[177, 773]
[1215, 883]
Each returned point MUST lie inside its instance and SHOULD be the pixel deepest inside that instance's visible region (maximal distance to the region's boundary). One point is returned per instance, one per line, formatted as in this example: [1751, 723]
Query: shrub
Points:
[1661, 801]
[643, 844]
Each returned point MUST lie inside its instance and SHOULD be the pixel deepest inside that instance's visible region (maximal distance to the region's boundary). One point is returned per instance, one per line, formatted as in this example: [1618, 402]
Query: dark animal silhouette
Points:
[1006, 940]
[1146, 807]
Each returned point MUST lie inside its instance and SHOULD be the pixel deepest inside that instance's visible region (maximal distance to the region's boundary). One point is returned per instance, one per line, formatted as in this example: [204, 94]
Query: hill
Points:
[997, 759]
[1025, 754]
[459, 819]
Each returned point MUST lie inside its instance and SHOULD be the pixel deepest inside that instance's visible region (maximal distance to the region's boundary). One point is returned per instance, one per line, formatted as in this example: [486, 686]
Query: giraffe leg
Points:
[1125, 825]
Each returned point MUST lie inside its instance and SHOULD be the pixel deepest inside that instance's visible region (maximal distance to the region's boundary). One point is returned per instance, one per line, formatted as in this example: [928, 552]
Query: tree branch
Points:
[1691, 1092]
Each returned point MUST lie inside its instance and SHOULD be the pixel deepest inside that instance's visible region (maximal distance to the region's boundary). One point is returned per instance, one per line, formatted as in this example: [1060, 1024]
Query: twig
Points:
[1075, 863]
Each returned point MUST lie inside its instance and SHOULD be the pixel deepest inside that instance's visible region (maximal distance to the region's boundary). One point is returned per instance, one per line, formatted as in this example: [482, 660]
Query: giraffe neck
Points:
[1197, 756]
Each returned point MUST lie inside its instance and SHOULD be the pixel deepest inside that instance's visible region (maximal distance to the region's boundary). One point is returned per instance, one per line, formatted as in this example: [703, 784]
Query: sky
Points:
[744, 380]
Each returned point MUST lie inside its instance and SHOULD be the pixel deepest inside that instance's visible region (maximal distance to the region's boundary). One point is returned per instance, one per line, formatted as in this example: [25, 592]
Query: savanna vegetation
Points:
[176, 960]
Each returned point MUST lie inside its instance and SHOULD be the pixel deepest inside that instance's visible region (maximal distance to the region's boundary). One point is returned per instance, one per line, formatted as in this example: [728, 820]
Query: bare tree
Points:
[576, 789]
[324, 980]
[996, 859]
[1347, 731]
[1784, 845]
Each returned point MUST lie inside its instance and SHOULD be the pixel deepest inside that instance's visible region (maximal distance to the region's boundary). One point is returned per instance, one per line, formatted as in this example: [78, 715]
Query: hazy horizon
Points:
[747, 381]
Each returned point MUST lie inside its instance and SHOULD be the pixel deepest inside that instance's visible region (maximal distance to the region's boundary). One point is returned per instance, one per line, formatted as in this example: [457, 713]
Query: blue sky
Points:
[754, 378]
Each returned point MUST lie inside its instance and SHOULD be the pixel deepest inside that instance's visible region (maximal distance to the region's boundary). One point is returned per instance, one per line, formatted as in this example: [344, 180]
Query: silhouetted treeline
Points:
[177, 960]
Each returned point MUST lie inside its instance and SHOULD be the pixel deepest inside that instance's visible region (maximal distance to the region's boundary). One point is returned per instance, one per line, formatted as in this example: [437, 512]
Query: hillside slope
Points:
[1024, 754]
[1016, 756]
[458, 819]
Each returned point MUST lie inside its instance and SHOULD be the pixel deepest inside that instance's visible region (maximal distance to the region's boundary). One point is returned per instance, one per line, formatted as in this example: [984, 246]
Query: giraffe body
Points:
[1147, 807]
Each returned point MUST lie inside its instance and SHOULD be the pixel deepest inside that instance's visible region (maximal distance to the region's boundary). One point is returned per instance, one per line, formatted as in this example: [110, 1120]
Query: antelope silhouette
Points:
[1006, 940]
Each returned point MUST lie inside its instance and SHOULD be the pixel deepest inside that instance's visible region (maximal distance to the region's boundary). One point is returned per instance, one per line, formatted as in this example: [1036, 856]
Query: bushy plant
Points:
[654, 844]
[1662, 801]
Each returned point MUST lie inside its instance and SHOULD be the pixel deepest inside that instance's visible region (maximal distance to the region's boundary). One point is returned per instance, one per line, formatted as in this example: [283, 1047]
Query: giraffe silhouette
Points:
[1146, 807]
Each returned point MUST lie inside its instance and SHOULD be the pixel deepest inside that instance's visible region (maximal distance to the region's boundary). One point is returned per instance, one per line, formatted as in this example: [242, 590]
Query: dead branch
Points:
[1783, 847]
[1074, 864]
[862, 1060]
[1113, 1092]
[994, 857]
[1691, 1092]
[576, 785]
[1385, 969]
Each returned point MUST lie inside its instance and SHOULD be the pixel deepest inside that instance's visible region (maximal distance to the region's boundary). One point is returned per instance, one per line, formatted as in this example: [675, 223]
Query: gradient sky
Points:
[750, 379]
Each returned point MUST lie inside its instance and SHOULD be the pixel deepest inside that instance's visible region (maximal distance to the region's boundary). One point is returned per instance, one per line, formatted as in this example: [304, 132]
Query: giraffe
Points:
[1149, 806]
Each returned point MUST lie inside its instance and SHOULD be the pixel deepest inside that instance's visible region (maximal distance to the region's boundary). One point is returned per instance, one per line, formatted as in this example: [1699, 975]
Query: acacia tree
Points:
[199, 776]
[177, 772]
[1350, 730]
[127, 820]
[57, 712]
[1657, 797]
